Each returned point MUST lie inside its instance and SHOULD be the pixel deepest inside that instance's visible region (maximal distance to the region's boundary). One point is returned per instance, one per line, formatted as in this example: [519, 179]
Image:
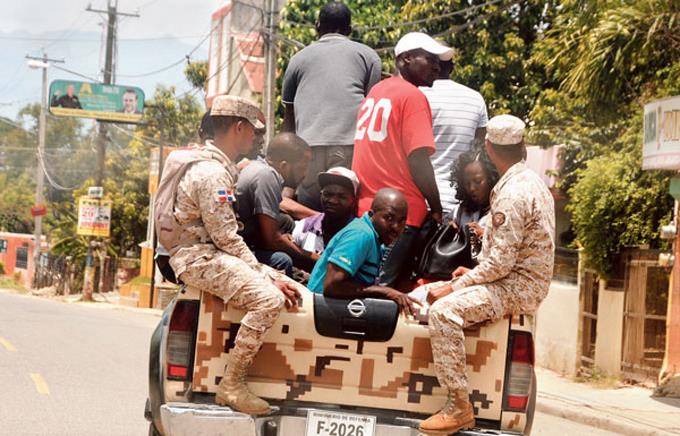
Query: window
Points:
[3, 245]
[22, 258]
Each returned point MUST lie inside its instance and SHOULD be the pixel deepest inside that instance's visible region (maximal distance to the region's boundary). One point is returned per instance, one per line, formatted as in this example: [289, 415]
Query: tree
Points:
[197, 73]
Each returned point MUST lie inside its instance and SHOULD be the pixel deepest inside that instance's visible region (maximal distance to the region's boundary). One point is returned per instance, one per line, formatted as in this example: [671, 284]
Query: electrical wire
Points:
[49, 178]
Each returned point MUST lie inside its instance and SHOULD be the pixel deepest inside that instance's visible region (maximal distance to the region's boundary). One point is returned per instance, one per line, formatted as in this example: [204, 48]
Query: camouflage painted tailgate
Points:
[296, 363]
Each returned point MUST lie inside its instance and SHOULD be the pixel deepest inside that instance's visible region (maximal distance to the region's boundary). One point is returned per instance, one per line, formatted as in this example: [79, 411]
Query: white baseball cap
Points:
[339, 176]
[415, 40]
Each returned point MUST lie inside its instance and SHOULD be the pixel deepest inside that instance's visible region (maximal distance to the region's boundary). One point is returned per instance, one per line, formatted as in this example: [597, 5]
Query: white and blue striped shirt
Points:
[457, 112]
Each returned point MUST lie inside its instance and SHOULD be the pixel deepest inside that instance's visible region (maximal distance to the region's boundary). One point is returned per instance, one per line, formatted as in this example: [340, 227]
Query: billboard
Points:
[94, 217]
[661, 147]
[70, 98]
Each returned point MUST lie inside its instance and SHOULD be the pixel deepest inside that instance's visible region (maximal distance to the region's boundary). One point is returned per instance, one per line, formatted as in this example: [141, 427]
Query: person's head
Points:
[289, 155]
[388, 214]
[418, 57]
[334, 17]
[338, 192]
[206, 131]
[130, 101]
[235, 123]
[445, 69]
[474, 176]
[70, 90]
[505, 140]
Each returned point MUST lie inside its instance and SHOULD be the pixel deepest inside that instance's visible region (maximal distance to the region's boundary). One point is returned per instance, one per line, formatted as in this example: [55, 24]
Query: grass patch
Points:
[598, 379]
[11, 283]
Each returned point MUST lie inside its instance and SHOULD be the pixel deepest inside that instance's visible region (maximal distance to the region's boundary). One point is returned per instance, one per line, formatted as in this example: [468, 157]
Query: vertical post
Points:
[40, 176]
[669, 376]
[270, 68]
[154, 238]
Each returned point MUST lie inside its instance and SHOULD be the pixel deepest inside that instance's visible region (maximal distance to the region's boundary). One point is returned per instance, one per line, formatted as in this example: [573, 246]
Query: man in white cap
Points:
[394, 141]
[338, 205]
[196, 222]
[513, 275]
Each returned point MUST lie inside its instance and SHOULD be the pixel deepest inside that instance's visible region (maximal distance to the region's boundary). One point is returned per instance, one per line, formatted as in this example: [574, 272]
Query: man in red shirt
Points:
[394, 141]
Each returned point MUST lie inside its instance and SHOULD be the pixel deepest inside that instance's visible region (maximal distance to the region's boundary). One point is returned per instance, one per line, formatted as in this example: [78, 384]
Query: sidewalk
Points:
[627, 410]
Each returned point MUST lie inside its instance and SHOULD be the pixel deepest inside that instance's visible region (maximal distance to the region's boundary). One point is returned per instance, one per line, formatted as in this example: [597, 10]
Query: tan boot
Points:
[233, 392]
[456, 415]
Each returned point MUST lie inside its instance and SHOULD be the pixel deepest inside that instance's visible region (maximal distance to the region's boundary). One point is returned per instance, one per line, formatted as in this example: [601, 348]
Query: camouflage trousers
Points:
[448, 317]
[258, 297]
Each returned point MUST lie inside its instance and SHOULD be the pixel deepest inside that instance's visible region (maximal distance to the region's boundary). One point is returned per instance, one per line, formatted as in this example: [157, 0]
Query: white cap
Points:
[414, 40]
[505, 130]
[339, 176]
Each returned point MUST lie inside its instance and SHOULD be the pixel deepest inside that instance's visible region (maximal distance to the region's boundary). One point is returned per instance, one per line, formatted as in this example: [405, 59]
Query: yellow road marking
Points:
[8, 345]
[40, 384]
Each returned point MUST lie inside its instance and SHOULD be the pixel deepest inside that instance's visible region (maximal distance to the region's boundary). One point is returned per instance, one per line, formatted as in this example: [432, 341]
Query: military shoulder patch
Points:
[223, 195]
[498, 219]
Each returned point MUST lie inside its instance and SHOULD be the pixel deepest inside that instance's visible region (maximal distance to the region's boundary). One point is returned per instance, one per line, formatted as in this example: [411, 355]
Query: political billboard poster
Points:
[94, 217]
[661, 148]
[117, 103]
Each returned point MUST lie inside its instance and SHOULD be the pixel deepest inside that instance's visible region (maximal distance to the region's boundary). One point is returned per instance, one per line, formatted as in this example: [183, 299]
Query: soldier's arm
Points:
[218, 216]
[505, 237]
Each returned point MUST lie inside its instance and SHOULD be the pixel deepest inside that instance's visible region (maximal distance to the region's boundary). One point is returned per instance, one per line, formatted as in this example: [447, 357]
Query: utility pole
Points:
[43, 63]
[270, 67]
[112, 17]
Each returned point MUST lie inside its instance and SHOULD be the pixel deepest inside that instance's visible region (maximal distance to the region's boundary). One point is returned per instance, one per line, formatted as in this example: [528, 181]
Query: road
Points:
[80, 369]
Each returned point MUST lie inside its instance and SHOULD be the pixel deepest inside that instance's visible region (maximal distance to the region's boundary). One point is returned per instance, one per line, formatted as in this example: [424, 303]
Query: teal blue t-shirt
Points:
[355, 249]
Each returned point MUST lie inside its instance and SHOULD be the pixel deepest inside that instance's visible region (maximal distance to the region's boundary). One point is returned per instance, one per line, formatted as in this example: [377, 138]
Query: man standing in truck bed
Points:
[513, 275]
[197, 224]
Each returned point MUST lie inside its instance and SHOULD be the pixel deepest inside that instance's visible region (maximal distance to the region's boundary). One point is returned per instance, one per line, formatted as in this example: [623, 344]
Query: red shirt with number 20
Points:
[393, 121]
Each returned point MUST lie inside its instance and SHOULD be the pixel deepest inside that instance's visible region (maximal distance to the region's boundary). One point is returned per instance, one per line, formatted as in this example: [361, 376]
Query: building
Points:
[16, 255]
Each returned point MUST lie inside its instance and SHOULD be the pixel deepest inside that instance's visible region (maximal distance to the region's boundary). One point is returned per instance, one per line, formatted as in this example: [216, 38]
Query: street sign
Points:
[118, 103]
[94, 216]
[661, 148]
[38, 210]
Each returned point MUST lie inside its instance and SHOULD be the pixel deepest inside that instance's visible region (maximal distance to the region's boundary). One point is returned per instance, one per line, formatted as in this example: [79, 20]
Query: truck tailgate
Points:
[296, 363]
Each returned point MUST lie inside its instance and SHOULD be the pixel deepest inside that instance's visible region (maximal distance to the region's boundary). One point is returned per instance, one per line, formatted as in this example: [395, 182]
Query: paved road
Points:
[72, 369]
[80, 369]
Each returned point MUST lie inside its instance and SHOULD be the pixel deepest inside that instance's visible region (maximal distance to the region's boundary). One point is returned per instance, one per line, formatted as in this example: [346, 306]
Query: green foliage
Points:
[197, 73]
[615, 204]
[171, 118]
[2, 269]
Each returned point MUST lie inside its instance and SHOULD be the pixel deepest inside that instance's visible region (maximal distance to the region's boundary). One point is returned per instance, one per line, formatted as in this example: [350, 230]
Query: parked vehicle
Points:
[334, 368]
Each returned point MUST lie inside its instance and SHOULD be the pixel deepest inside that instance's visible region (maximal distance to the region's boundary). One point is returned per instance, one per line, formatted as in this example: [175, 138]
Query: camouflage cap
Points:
[233, 106]
[505, 130]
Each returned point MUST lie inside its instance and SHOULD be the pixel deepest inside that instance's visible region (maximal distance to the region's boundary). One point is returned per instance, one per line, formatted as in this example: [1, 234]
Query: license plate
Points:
[322, 423]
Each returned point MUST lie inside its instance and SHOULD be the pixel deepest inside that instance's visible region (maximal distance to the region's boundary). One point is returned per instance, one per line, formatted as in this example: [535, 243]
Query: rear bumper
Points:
[185, 419]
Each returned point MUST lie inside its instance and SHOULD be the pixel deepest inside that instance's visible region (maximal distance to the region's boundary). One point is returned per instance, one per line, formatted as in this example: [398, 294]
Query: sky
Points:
[164, 33]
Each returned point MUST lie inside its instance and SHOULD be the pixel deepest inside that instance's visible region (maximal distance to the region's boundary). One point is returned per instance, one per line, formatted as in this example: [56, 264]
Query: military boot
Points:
[456, 415]
[233, 392]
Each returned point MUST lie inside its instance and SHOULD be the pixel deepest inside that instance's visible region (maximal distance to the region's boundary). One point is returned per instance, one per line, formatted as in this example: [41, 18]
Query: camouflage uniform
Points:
[214, 258]
[513, 275]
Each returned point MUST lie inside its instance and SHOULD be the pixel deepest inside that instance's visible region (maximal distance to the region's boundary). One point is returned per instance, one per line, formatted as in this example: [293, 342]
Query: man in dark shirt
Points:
[259, 196]
[68, 101]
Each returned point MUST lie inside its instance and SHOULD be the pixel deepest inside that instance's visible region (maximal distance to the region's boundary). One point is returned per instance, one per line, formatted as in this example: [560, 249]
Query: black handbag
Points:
[447, 249]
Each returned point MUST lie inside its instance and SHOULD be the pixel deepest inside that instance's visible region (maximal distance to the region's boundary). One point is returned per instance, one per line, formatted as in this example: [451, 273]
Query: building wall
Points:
[8, 255]
[609, 330]
[557, 327]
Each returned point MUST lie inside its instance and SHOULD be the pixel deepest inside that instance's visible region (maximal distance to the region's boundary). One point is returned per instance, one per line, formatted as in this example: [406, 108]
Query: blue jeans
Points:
[277, 260]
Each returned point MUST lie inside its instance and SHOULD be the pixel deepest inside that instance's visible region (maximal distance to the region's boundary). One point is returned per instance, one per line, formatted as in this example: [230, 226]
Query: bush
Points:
[2, 269]
[615, 204]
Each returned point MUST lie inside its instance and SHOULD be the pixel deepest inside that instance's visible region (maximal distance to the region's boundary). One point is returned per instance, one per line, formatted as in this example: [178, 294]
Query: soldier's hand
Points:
[290, 292]
[461, 270]
[435, 294]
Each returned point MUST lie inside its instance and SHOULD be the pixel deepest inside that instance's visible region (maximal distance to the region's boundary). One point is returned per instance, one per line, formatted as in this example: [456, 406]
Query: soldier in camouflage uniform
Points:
[513, 275]
[213, 258]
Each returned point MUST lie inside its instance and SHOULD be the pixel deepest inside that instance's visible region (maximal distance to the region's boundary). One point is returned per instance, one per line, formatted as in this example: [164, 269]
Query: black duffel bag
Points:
[447, 249]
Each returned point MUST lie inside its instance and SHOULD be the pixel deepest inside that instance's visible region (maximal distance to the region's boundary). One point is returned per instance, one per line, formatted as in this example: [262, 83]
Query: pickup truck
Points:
[333, 368]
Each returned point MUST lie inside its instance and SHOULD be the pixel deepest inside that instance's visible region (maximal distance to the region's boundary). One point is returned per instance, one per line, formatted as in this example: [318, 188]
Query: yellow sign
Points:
[94, 216]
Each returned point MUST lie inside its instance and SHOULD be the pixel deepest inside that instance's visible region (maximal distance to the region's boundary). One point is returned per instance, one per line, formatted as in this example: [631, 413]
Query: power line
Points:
[49, 178]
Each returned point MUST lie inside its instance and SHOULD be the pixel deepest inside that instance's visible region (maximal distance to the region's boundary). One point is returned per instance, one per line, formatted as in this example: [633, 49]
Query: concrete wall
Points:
[557, 327]
[608, 344]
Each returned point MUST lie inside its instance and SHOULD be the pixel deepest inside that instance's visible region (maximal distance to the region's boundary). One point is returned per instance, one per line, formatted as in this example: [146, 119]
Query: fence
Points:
[65, 274]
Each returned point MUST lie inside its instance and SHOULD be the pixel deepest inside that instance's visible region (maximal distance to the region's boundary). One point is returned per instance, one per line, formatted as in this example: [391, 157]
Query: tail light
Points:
[520, 373]
[181, 339]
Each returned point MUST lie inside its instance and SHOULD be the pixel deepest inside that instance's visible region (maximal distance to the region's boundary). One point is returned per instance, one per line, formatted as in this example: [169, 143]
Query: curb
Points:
[594, 418]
